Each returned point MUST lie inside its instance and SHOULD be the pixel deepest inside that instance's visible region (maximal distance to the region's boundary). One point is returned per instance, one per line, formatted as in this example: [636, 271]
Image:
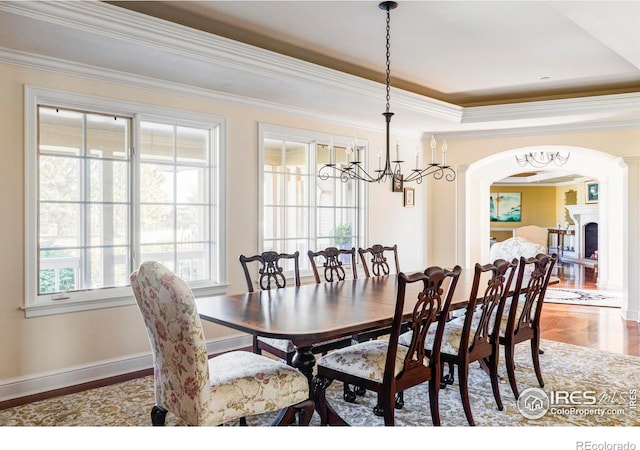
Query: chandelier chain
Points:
[388, 79]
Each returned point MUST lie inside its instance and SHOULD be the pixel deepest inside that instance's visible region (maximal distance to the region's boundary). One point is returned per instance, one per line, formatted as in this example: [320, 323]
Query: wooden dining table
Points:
[314, 313]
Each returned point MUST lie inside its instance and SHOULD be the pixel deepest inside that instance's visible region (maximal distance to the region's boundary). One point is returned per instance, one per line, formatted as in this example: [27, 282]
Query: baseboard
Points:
[630, 314]
[72, 376]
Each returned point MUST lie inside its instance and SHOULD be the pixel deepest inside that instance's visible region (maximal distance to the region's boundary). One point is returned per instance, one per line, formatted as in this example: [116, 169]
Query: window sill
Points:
[54, 307]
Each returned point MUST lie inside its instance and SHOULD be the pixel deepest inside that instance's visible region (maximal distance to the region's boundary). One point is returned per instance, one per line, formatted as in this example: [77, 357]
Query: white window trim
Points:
[42, 305]
[266, 130]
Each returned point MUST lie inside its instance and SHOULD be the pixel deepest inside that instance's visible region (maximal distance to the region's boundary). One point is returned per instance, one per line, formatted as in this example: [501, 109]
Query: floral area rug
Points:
[584, 297]
[603, 387]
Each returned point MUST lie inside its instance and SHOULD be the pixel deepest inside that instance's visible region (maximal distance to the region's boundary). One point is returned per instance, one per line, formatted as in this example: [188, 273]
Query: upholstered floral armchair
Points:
[204, 391]
[516, 247]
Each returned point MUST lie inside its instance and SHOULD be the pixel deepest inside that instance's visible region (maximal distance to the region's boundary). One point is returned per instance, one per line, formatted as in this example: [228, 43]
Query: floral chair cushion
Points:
[451, 335]
[245, 384]
[198, 390]
[365, 360]
[284, 345]
[507, 308]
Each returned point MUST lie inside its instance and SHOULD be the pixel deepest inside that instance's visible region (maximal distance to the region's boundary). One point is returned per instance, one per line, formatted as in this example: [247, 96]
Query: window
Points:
[299, 211]
[110, 185]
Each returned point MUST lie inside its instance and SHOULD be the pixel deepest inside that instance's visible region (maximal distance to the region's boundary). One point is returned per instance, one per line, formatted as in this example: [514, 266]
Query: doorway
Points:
[596, 165]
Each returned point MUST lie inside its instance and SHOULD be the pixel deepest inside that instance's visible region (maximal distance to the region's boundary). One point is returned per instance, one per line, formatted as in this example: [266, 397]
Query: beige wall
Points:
[538, 207]
[561, 211]
[52, 344]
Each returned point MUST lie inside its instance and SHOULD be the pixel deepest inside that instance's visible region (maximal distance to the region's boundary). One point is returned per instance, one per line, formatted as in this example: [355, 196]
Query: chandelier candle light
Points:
[542, 159]
[353, 168]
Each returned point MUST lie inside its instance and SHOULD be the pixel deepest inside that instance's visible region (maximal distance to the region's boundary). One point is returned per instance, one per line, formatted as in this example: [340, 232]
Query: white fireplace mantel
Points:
[582, 215]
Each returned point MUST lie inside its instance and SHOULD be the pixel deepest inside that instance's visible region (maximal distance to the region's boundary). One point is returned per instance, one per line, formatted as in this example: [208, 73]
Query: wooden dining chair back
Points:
[384, 366]
[474, 336]
[271, 276]
[270, 269]
[522, 320]
[332, 269]
[332, 260]
[195, 388]
[375, 260]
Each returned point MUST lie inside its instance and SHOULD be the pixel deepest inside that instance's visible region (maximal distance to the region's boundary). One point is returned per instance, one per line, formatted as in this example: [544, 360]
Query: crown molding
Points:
[114, 22]
[586, 127]
[553, 108]
[66, 67]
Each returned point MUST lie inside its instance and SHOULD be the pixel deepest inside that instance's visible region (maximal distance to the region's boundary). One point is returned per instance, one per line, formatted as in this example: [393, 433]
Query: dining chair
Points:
[333, 270]
[474, 336]
[374, 260]
[522, 322]
[332, 263]
[203, 391]
[384, 366]
[270, 271]
[271, 276]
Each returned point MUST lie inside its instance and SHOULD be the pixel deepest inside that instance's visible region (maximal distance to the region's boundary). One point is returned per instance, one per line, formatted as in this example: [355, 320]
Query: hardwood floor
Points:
[589, 326]
[575, 276]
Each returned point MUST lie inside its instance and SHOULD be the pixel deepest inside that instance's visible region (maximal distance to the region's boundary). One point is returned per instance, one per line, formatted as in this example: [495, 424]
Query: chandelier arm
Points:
[437, 171]
[353, 172]
[370, 178]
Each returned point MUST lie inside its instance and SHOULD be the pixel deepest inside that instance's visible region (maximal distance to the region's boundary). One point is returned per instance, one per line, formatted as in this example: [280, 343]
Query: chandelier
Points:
[542, 159]
[389, 170]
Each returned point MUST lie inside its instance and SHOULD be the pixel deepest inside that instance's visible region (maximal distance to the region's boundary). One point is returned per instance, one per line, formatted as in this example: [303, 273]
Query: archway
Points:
[609, 171]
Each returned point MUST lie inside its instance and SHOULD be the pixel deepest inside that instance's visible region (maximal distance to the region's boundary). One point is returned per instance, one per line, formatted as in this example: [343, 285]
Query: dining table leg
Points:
[304, 361]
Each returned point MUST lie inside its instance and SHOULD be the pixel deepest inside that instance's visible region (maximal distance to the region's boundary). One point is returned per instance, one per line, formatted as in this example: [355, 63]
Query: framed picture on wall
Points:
[591, 192]
[409, 197]
[505, 207]
[397, 183]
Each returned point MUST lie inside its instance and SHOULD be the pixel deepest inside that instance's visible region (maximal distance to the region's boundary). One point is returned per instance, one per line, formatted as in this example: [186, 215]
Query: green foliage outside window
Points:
[343, 235]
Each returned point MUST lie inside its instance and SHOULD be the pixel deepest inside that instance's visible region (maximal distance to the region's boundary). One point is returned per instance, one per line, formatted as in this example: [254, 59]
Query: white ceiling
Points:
[459, 51]
[457, 67]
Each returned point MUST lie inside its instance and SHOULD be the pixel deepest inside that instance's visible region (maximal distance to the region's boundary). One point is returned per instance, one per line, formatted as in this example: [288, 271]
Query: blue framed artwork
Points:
[505, 207]
[591, 192]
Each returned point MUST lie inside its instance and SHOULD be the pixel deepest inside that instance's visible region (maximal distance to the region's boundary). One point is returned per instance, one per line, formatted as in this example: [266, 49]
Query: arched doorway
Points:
[603, 167]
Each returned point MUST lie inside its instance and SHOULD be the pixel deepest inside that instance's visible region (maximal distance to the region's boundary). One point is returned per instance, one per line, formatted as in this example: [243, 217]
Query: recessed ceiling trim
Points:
[553, 108]
[537, 130]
